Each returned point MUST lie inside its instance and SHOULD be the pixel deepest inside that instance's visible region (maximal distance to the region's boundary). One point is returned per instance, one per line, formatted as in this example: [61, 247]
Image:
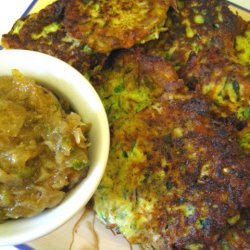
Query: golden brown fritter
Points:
[123, 89]
[197, 24]
[107, 25]
[46, 33]
[214, 62]
[176, 176]
[221, 79]
[226, 83]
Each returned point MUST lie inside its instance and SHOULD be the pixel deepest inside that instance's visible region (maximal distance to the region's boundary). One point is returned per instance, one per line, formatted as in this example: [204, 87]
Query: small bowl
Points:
[65, 81]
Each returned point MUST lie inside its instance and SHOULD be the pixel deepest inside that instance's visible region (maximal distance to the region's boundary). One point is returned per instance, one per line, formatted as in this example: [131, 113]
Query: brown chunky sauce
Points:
[43, 149]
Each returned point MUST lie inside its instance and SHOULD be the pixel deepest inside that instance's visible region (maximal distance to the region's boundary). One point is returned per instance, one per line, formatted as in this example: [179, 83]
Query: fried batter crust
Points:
[176, 176]
[237, 236]
[223, 80]
[227, 83]
[45, 32]
[123, 89]
[208, 45]
[197, 24]
[107, 25]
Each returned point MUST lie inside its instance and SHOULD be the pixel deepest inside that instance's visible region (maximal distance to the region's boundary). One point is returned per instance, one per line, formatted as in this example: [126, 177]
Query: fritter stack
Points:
[83, 33]
[178, 175]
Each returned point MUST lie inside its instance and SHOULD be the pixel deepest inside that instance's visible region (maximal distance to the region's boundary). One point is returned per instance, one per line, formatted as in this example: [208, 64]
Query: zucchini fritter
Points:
[208, 45]
[46, 33]
[107, 25]
[198, 24]
[124, 91]
[176, 177]
[221, 79]
[227, 83]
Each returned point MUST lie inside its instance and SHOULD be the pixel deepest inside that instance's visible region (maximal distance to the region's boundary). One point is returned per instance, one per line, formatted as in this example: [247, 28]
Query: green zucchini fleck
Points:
[79, 165]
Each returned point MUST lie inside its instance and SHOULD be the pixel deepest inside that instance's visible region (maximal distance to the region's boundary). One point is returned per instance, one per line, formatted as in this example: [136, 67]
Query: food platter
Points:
[85, 227]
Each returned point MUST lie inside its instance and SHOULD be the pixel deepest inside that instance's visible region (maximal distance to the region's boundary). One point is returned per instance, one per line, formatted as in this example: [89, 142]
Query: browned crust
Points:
[108, 25]
[55, 43]
[202, 168]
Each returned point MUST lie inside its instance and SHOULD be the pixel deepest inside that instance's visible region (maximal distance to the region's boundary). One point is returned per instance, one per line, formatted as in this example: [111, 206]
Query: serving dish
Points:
[67, 83]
